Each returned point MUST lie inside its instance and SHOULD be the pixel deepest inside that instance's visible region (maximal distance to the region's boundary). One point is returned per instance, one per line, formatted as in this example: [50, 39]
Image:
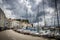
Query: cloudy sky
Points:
[33, 10]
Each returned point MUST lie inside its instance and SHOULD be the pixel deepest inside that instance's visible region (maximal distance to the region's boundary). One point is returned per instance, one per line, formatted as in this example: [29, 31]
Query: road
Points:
[12, 35]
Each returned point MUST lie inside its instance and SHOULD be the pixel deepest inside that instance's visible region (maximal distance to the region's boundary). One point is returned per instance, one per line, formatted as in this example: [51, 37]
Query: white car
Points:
[45, 32]
[26, 31]
[19, 30]
[57, 35]
[34, 33]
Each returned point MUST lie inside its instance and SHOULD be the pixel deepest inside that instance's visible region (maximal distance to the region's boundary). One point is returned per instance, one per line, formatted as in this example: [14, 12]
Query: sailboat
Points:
[57, 29]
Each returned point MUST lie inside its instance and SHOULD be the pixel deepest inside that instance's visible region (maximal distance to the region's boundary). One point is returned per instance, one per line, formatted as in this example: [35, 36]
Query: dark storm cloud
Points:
[15, 7]
[30, 9]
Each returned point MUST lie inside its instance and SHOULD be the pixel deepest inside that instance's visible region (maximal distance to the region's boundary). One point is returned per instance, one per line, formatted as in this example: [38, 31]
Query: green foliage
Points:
[18, 19]
[25, 21]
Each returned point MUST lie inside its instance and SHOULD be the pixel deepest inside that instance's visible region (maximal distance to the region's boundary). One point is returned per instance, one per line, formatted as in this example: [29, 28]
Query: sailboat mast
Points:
[44, 14]
[38, 20]
[56, 12]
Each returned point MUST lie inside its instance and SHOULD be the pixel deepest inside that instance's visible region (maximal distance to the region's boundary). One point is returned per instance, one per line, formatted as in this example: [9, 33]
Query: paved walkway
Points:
[11, 35]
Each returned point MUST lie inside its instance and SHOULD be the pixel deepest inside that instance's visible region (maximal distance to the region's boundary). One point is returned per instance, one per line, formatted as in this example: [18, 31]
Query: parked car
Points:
[25, 30]
[19, 30]
[45, 33]
[57, 35]
[34, 33]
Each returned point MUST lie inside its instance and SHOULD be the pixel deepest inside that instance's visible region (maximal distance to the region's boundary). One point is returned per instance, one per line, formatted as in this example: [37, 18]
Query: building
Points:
[3, 20]
[18, 23]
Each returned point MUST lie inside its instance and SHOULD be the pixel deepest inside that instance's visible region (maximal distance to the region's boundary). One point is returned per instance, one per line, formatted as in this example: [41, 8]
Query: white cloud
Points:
[41, 23]
[50, 10]
[20, 1]
[38, 1]
[17, 9]
[1, 1]
[8, 13]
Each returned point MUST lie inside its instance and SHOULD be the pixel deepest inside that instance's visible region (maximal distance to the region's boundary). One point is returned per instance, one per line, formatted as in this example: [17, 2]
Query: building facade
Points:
[18, 23]
[3, 20]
